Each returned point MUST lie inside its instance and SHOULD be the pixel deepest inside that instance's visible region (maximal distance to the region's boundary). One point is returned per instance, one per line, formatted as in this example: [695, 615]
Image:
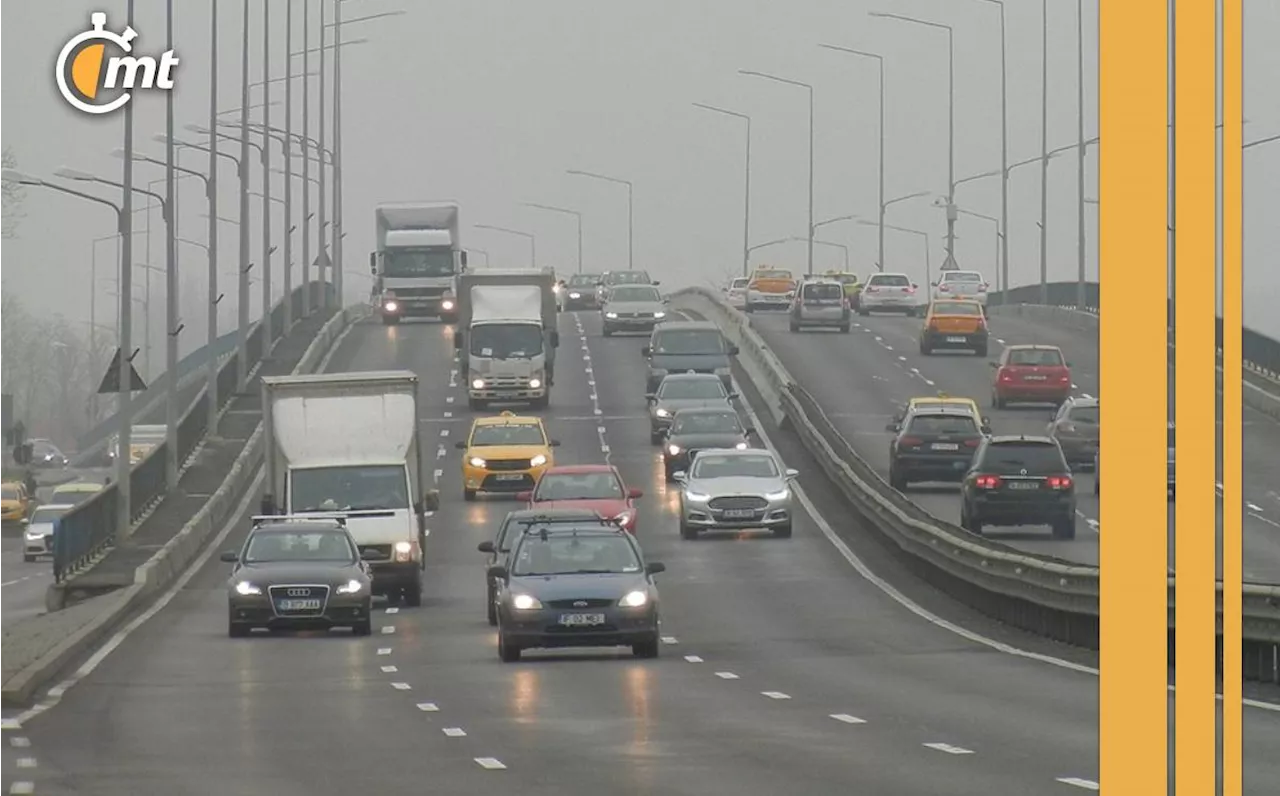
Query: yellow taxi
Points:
[954, 324]
[852, 285]
[942, 400]
[14, 502]
[506, 453]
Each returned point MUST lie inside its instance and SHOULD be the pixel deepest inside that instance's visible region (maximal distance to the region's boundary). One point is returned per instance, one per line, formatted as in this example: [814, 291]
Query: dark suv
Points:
[1019, 480]
[935, 445]
[688, 347]
[1075, 427]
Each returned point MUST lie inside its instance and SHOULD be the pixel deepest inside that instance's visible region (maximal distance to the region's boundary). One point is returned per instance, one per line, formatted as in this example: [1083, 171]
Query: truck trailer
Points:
[418, 260]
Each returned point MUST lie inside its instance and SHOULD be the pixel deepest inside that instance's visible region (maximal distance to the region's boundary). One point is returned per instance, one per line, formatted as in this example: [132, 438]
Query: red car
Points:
[598, 487]
[1031, 374]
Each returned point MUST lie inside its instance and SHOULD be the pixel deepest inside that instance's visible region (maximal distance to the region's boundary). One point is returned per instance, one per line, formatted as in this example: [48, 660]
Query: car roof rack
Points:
[543, 520]
[261, 519]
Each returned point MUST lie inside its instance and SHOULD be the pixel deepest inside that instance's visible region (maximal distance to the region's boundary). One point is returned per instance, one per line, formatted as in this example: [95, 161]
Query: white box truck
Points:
[506, 336]
[418, 260]
[348, 443]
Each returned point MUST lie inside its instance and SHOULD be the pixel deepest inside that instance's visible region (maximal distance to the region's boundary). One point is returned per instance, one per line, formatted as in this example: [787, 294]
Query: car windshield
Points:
[579, 486]
[1044, 357]
[889, 280]
[350, 488]
[420, 263]
[706, 423]
[563, 554]
[753, 466]
[509, 434]
[8, 492]
[773, 273]
[635, 293]
[271, 546]
[963, 276]
[956, 308]
[688, 341]
[942, 424]
[1088, 415]
[506, 340]
[48, 514]
[1036, 458]
[628, 278]
[740, 282]
[691, 389]
[834, 292]
[583, 280]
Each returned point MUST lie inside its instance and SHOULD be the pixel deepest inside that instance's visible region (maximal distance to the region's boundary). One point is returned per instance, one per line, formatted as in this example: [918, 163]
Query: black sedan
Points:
[512, 527]
[684, 391]
[298, 575]
[585, 586]
[699, 429]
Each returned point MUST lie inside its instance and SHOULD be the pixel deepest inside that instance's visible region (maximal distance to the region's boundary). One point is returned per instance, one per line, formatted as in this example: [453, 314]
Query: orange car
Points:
[954, 324]
[770, 288]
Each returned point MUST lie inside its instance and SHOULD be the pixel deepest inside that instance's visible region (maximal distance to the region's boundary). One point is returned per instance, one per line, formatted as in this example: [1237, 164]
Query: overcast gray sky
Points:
[489, 102]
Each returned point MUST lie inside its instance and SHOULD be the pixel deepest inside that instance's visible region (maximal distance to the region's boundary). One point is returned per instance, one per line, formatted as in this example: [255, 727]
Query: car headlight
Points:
[246, 588]
[535, 383]
[781, 494]
[611, 315]
[34, 536]
[624, 517]
[674, 450]
[351, 587]
[634, 599]
[538, 461]
[525, 602]
[446, 304]
[48, 457]
[697, 497]
[659, 314]
[476, 461]
[662, 413]
[741, 446]
[575, 295]
[477, 384]
[391, 306]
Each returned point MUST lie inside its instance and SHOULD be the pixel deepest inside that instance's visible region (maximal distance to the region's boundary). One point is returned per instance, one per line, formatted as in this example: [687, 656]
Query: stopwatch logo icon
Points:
[94, 82]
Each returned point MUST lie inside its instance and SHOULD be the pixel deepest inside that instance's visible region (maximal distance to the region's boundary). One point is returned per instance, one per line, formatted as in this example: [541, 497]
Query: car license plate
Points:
[298, 605]
[1035, 378]
[509, 477]
[1024, 484]
[946, 446]
[957, 339]
[581, 620]
[739, 514]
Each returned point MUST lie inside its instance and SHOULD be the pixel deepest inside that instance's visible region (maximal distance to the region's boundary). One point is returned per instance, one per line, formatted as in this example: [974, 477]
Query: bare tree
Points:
[13, 195]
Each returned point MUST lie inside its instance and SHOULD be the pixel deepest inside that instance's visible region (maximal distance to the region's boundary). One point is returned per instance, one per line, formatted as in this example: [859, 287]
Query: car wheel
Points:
[782, 531]
[608, 332]
[688, 532]
[237, 630]
[1065, 528]
[925, 350]
[491, 609]
[413, 595]
[1097, 483]
[648, 648]
[670, 474]
[364, 628]
[655, 438]
[863, 312]
[896, 480]
[507, 652]
[748, 308]
[469, 495]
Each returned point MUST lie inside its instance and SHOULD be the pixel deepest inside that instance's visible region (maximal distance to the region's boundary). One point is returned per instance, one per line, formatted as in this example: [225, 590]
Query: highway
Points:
[785, 669]
[861, 378]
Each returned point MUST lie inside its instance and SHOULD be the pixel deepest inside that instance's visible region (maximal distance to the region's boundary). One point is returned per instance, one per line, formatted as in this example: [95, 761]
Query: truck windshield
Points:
[506, 341]
[354, 488]
[417, 263]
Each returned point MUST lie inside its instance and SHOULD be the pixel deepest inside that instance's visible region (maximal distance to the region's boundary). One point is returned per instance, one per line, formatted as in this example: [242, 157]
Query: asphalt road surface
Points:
[784, 669]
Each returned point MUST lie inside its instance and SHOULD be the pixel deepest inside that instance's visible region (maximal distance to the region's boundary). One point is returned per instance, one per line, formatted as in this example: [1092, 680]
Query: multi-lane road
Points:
[788, 666]
[861, 378]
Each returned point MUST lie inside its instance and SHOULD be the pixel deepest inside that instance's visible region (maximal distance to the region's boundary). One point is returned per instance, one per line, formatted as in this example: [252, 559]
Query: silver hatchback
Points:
[820, 303]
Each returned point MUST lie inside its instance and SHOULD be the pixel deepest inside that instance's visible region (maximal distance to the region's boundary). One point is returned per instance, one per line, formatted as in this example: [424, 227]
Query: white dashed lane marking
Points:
[1087, 784]
[25, 762]
[428, 707]
[490, 763]
[22, 787]
[388, 630]
[384, 650]
[669, 640]
[693, 659]
[454, 732]
[847, 719]
[19, 742]
[393, 610]
[774, 694]
[401, 686]
[949, 749]
[726, 675]
[389, 669]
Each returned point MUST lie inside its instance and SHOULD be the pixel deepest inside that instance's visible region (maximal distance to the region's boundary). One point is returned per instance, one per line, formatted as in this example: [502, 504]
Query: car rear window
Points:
[772, 273]
[741, 282]
[688, 341]
[1085, 414]
[956, 308]
[962, 276]
[889, 280]
[823, 292]
[1010, 458]
[1044, 357]
[942, 424]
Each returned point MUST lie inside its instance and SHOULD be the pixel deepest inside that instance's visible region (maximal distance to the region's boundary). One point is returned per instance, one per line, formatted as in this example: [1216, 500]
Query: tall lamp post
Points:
[533, 245]
[880, 195]
[564, 211]
[746, 213]
[928, 257]
[631, 251]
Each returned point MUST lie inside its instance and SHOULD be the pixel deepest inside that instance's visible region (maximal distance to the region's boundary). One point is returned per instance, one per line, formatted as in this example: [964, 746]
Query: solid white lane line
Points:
[454, 732]
[15, 580]
[388, 630]
[401, 686]
[490, 763]
[774, 694]
[1087, 784]
[847, 719]
[726, 675]
[949, 749]
[389, 669]
[384, 650]
[1254, 507]
[693, 659]
[428, 707]
[393, 610]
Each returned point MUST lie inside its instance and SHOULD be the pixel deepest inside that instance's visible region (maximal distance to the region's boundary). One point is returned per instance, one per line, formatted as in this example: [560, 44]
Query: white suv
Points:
[961, 284]
[889, 293]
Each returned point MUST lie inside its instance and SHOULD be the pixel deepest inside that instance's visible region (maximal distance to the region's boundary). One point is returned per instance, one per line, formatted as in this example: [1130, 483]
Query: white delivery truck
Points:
[418, 260]
[348, 443]
[506, 336]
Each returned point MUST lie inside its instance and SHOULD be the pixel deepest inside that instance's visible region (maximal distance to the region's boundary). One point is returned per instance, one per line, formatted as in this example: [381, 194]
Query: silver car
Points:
[820, 303]
[37, 532]
[889, 293]
[632, 308]
[728, 489]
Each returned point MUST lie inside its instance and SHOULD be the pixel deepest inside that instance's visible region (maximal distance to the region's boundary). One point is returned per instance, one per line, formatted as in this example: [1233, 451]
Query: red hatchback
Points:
[1031, 374]
[598, 487]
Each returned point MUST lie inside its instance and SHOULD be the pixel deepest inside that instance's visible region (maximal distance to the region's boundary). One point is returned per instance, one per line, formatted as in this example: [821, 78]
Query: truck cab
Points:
[417, 262]
[506, 337]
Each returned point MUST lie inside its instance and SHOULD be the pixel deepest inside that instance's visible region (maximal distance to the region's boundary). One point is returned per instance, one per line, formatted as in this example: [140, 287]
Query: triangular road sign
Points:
[322, 260]
[111, 379]
[949, 264]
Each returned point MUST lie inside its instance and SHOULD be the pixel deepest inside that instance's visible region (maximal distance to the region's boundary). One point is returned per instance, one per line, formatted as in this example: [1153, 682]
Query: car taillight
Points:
[982, 288]
[911, 291]
[1058, 482]
[987, 482]
[911, 442]
[943, 289]
[1006, 375]
[870, 289]
[971, 443]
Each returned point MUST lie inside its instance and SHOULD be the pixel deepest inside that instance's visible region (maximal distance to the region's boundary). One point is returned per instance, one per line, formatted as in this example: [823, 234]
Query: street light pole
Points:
[242, 329]
[306, 160]
[533, 246]
[287, 281]
[338, 233]
[746, 213]
[880, 196]
[777, 79]
[211, 193]
[630, 208]
[1044, 151]
[322, 199]
[1080, 252]
[566, 211]
[1004, 151]
[265, 323]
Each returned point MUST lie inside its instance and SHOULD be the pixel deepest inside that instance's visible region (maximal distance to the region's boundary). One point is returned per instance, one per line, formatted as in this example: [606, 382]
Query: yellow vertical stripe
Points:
[1232, 411]
[1195, 311]
[1133, 202]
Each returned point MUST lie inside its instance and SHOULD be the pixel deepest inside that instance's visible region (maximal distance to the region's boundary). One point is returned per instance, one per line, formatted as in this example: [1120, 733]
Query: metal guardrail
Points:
[1044, 595]
[87, 530]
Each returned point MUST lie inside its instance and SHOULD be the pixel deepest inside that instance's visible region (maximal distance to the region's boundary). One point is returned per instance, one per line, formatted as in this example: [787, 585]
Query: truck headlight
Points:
[741, 446]
[624, 517]
[447, 304]
[351, 587]
[391, 306]
[525, 602]
[246, 588]
[634, 599]
[477, 384]
[535, 383]
[404, 551]
[538, 461]
[575, 295]
[476, 461]
[659, 314]
[611, 315]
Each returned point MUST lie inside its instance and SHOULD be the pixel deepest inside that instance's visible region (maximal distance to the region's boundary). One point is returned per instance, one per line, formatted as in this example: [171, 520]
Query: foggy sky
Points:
[489, 102]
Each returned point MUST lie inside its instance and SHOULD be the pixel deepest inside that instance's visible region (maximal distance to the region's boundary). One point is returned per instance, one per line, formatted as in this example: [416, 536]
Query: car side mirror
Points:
[657, 282]
[373, 262]
[486, 547]
[792, 473]
[229, 557]
[634, 493]
[651, 396]
[497, 572]
[914, 286]
[993, 364]
[647, 351]
[524, 496]
[679, 475]
[933, 284]
[555, 443]
[892, 427]
[1068, 364]
[733, 396]
[460, 444]
[733, 350]
[746, 432]
[654, 567]
[26, 520]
